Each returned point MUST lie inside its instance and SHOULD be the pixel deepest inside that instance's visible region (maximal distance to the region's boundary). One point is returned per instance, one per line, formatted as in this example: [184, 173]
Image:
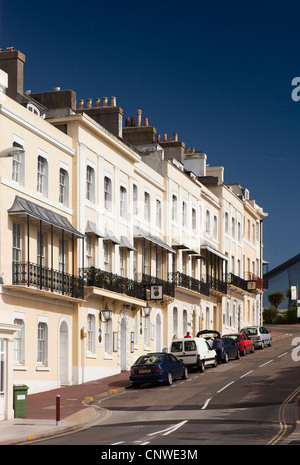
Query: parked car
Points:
[194, 352]
[243, 342]
[208, 333]
[231, 349]
[157, 368]
[259, 335]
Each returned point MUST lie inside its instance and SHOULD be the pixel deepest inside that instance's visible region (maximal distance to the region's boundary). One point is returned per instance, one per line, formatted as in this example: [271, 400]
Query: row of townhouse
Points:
[112, 241]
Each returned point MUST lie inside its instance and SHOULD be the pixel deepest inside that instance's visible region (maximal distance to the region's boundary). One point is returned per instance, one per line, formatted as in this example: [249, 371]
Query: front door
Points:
[64, 353]
[123, 345]
[2, 378]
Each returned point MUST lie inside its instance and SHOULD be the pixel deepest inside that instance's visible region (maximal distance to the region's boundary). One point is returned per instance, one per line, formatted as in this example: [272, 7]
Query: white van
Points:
[194, 351]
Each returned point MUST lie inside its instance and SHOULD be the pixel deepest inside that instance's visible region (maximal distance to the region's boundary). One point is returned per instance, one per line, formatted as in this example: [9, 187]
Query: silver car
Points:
[259, 335]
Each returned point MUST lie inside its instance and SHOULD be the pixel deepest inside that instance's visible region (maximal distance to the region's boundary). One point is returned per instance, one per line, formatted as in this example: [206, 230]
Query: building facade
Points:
[113, 241]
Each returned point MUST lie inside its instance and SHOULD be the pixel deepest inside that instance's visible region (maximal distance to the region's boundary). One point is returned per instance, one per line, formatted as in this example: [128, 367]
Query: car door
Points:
[174, 365]
[264, 334]
[246, 342]
[190, 352]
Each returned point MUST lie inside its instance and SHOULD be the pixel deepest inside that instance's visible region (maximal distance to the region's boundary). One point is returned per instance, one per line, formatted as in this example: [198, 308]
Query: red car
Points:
[243, 342]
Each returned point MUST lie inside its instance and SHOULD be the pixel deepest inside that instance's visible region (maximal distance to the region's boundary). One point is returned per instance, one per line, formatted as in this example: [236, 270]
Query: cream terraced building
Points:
[113, 241]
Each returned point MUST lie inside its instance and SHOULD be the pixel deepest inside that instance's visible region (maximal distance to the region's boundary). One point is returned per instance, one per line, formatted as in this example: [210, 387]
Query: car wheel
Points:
[215, 362]
[201, 366]
[262, 346]
[170, 379]
[185, 373]
[270, 342]
[252, 349]
[226, 358]
[238, 355]
[244, 351]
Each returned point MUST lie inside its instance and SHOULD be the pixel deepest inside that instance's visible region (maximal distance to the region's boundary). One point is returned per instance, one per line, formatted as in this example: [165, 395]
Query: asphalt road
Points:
[250, 401]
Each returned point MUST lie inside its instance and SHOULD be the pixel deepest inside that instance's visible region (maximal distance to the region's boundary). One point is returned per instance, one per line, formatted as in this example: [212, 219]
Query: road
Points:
[250, 401]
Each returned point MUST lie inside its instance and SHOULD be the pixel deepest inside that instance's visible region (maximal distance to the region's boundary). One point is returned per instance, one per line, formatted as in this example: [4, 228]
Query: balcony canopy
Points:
[23, 208]
[141, 233]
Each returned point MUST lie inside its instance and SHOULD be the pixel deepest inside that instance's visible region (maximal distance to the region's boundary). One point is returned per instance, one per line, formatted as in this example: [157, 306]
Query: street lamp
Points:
[106, 314]
[145, 311]
[11, 151]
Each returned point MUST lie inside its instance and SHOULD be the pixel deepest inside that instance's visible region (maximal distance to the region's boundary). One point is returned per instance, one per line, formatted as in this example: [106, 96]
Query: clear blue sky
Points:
[217, 72]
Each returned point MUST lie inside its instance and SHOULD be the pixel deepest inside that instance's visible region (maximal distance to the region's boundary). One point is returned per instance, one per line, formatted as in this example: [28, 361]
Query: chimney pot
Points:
[80, 104]
[113, 102]
[127, 122]
[89, 103]
[146, 122]
[104, 101]
[97, 102]
[158, 137]
[187, 151]
[176, 136]
[165, 137]
[132, 121]
[139, 118]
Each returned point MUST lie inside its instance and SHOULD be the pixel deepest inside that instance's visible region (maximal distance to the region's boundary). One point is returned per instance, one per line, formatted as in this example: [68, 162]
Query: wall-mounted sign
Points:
[251, 285]
[156, 292]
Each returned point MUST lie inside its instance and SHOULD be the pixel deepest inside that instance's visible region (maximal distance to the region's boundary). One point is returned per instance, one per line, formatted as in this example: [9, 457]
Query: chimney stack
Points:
[97, 102]
[104, 101]
[12, 62]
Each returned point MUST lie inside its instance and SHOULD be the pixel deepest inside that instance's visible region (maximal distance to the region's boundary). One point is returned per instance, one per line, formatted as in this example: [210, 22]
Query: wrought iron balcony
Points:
[188, 282]
[237, 281]
[217, 285]
[147, 280]
[47, 279]
[113, 282]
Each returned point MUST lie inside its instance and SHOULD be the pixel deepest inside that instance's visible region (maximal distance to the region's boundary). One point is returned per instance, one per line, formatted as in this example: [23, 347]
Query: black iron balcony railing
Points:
[113, 282]
[188, 282]
[47, 279]
[217, 284]
[237, 281]
[147, 280]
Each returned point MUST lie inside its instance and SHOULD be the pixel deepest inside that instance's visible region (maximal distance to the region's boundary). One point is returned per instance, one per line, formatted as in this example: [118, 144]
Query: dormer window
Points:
[34, 109]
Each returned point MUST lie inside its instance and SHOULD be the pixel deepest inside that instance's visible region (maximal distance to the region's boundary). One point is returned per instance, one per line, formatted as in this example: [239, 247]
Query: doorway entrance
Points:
[64, 354]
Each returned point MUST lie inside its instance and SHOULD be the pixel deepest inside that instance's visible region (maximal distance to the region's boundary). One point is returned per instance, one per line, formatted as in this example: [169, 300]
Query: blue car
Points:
[157, 368]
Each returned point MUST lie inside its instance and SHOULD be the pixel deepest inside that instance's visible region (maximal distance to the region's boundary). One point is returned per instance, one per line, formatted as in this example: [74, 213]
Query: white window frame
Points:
[107, 192]
[18, 161]
[42, 341]
[90, 177]
[42, 172]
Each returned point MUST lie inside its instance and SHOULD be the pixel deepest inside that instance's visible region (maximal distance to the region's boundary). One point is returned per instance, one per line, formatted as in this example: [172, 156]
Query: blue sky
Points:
[218, 73]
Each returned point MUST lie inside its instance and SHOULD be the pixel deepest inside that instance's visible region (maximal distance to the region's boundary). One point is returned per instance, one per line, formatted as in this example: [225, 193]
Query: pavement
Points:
[79, 410]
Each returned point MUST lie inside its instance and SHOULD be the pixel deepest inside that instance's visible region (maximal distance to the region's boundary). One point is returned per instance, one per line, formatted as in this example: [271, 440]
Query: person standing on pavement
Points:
[218, 346]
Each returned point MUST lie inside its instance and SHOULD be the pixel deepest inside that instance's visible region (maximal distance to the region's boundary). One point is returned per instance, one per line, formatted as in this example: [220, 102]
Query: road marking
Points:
[225, 387]
[117, 443]
[282, 354]
[206, 404]
[169, 430]
[248, 372]
[282, 419]
[265, 363]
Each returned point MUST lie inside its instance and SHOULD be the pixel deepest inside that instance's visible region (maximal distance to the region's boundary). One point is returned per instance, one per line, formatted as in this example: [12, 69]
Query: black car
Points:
[231, 350]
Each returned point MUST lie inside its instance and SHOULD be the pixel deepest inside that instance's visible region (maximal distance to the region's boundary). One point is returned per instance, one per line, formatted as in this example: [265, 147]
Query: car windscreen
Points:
[149, 360]
[250, 331]
[235, 337]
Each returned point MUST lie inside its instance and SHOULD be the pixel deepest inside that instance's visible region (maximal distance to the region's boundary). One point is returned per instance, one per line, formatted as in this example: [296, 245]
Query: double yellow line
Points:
[282, 419]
